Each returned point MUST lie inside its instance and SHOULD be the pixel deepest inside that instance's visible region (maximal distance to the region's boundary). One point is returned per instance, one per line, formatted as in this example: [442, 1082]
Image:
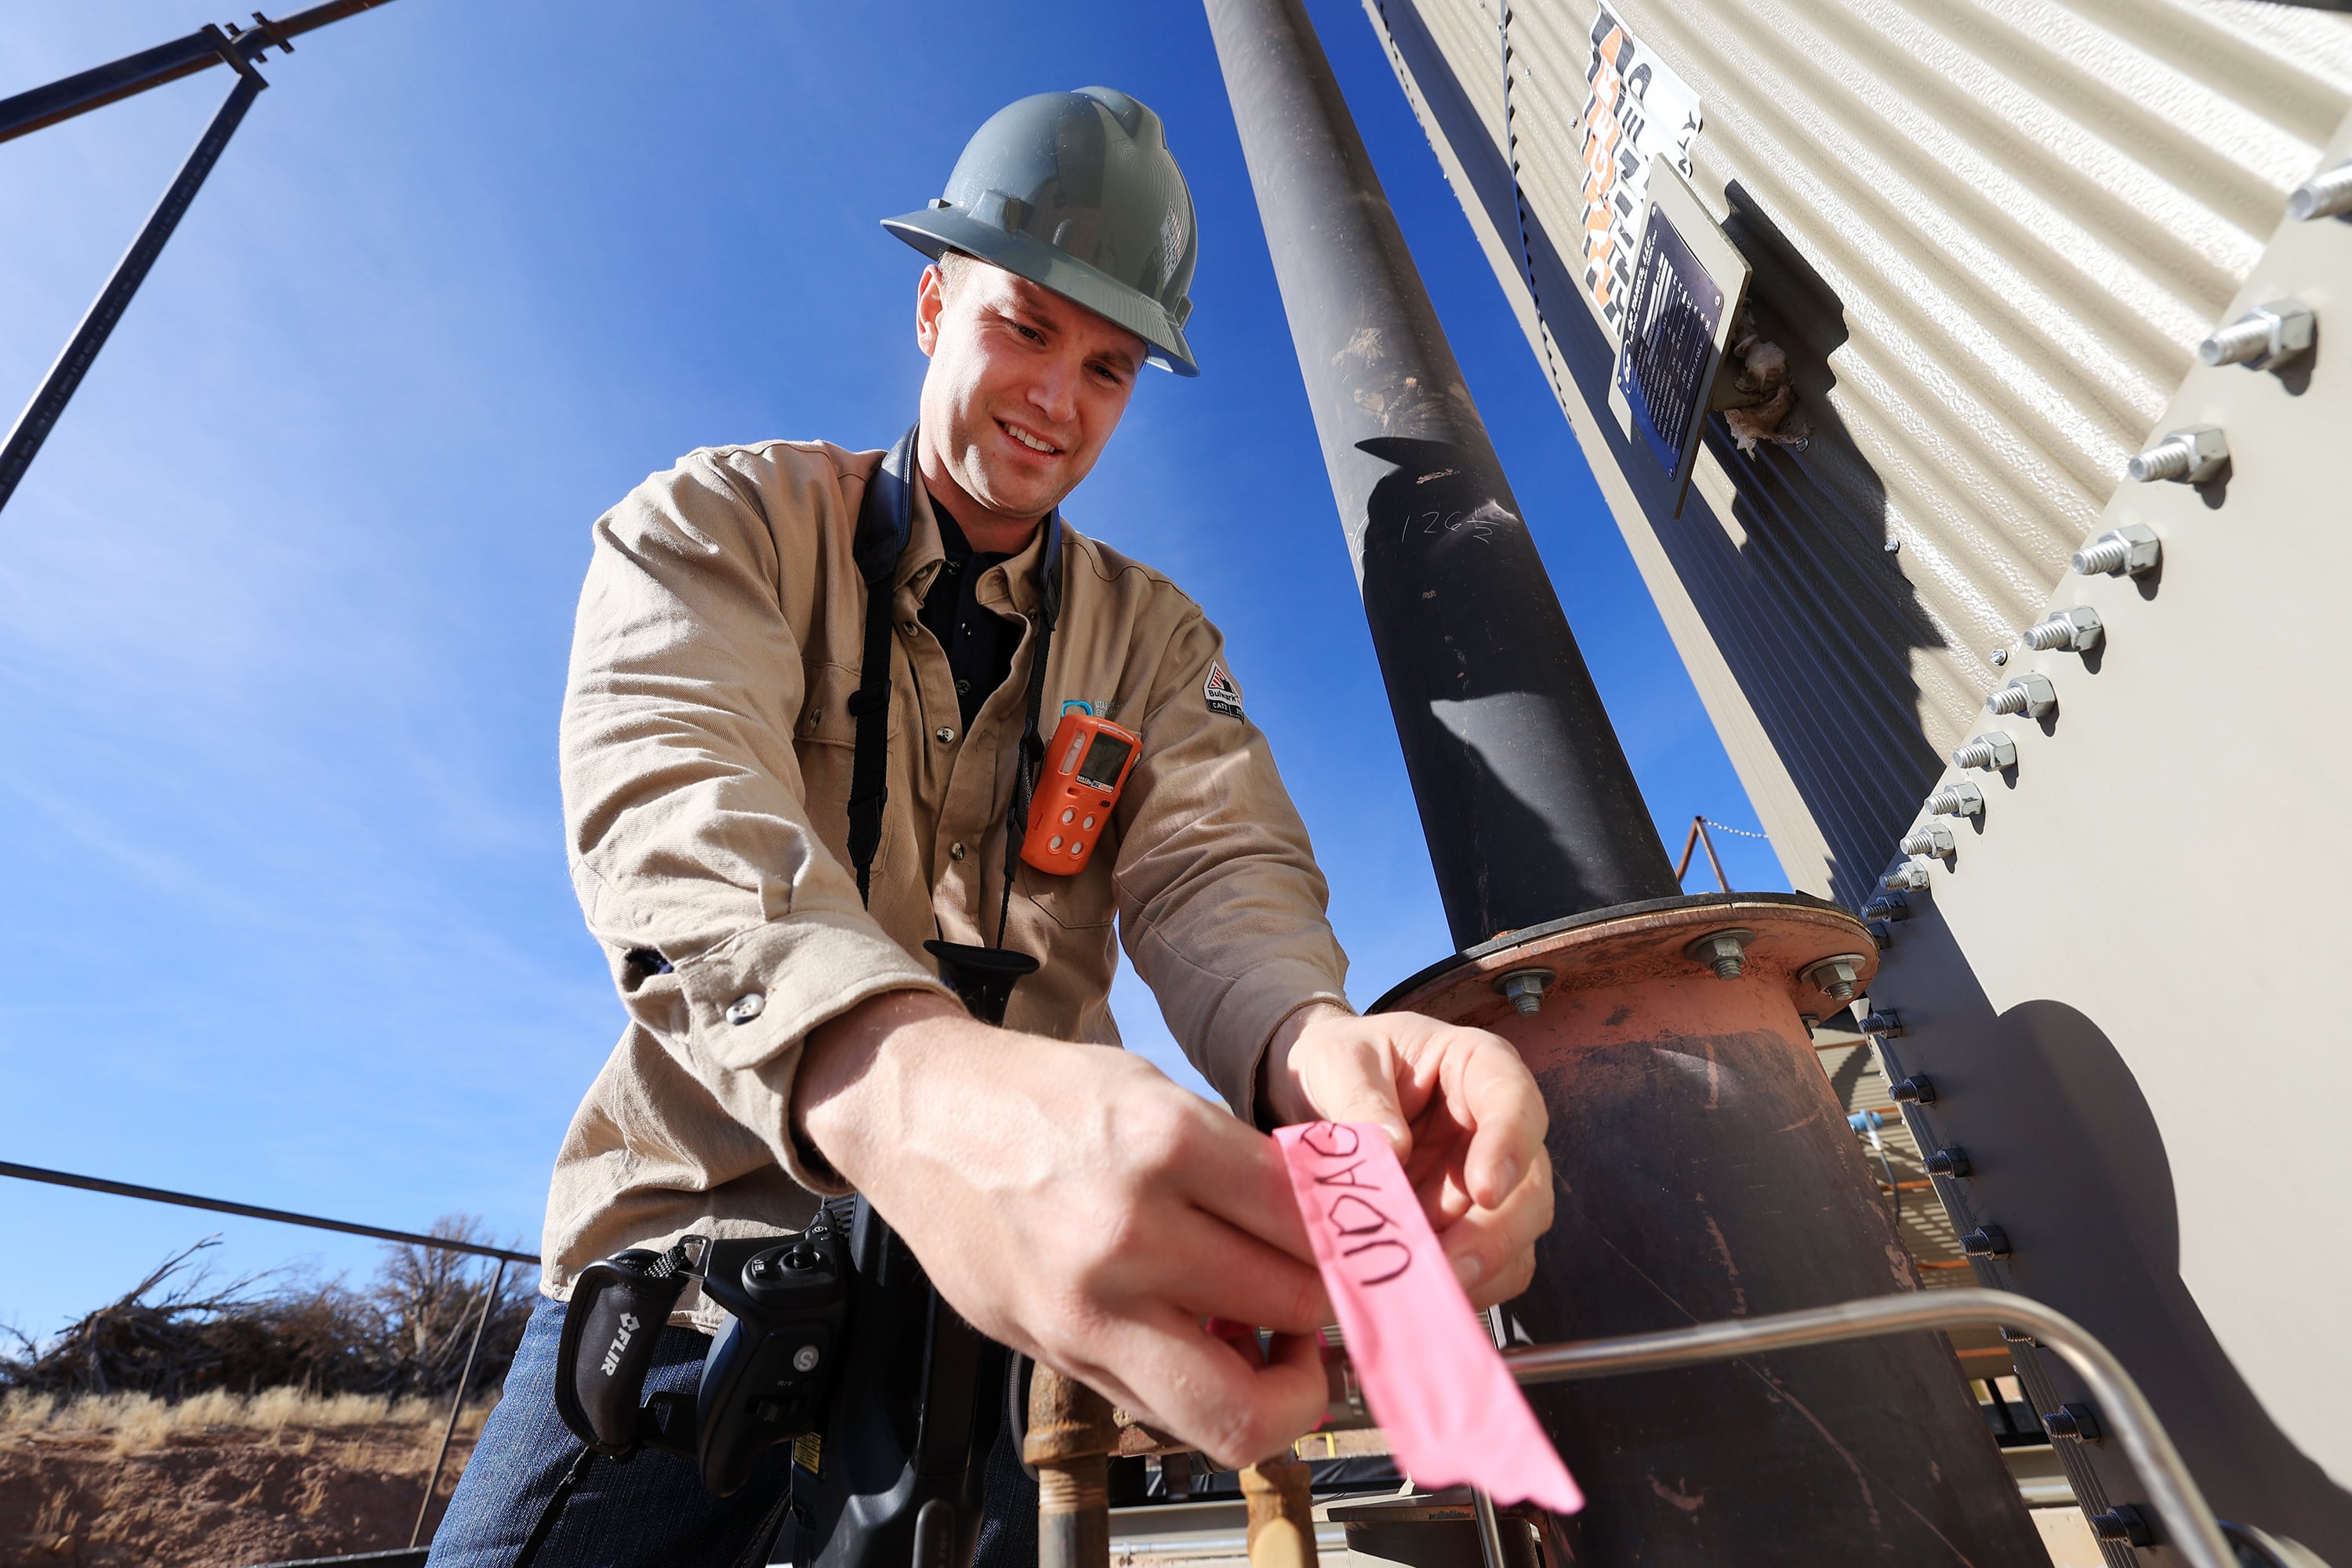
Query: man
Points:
[788, 1038]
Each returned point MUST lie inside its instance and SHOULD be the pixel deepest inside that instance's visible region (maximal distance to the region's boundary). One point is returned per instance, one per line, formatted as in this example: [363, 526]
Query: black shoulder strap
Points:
[1033, 744]
[884, 519]
[885, 522]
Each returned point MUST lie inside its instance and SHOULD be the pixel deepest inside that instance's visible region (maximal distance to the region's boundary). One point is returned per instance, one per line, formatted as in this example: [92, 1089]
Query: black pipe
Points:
[48, 404]
[1529, 804]
[85, 90]
[26, 113]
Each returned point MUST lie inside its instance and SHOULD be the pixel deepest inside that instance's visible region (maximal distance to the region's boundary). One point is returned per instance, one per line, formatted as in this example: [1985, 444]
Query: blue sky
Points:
[285, 602]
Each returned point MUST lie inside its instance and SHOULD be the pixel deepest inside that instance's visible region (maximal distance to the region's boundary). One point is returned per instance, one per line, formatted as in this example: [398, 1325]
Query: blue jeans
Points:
[651, 1510]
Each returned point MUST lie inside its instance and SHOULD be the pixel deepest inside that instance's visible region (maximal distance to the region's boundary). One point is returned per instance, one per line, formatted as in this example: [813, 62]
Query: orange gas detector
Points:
[1084, 767]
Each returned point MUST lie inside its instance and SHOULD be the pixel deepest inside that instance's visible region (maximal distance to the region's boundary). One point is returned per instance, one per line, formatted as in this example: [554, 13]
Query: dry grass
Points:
[217, 1480]
[140, 1423]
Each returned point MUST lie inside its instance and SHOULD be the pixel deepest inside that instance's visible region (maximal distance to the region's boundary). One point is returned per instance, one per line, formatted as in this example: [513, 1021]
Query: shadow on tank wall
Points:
[1811, 613]
[2066, 1158]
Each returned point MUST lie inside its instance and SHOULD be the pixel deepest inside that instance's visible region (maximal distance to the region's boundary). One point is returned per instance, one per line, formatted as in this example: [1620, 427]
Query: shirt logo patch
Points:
[1222, 695]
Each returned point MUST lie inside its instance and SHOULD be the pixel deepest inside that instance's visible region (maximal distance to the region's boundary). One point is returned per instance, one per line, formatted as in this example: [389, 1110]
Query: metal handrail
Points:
[254, 1211]
[2172, 1491]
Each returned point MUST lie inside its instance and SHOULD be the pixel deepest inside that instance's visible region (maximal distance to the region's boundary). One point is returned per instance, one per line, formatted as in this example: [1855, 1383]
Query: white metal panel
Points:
[1989, 234]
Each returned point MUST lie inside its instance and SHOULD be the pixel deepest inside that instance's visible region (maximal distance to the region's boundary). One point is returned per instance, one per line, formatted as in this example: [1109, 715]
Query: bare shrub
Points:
[179, 1334]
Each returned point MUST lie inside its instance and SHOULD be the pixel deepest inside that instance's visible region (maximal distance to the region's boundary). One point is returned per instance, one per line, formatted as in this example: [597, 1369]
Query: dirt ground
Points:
[218, 1498]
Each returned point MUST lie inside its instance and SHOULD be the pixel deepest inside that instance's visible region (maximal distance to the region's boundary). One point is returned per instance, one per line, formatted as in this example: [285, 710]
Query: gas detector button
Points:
[1055, 842]
[1077, 847]
[1089, 822]
[1067, 814]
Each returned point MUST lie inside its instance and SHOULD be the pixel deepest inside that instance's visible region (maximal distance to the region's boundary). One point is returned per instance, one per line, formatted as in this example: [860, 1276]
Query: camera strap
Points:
[885, 524]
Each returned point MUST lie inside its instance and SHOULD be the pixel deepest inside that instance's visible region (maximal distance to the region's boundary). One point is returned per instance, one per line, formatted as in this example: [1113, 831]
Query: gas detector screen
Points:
[1104, 760]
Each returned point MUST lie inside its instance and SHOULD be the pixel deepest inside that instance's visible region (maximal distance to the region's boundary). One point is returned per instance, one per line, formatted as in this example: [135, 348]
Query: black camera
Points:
[836, 1342]
[765, 1377]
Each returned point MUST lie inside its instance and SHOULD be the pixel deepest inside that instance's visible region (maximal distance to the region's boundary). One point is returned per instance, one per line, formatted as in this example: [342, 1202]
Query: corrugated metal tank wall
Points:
[1988, 233]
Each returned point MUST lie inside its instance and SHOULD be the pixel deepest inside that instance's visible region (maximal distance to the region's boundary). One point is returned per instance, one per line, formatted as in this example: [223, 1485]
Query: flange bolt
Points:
[1928, 838]
[2322, 195]
[1917, 1090]
[2123, 1522]
[2134, 550]
[1986, 1241]
[2079, 1422]
[1907, 876]
[1836, 977]
[1523, 988]
[2192, 455]
[1993, 751]
[1883, 1024]
[2031, 695]
[1960, 799]
[1951, 1162]
[2263, 339]
[2075, 629]
[1725, 952]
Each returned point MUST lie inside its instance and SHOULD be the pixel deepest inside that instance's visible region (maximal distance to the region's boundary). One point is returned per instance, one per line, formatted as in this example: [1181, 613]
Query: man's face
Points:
[1024, 389]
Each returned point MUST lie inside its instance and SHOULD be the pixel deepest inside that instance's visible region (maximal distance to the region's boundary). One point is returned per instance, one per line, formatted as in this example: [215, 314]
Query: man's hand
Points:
[1461, 1111]
[1074, 1204]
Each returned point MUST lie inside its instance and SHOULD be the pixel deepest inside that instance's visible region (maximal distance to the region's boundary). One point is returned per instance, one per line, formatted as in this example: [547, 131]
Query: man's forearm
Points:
[846, 1086]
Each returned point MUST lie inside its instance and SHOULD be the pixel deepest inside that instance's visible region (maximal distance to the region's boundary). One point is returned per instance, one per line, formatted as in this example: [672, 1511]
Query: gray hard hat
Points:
[1078, 192]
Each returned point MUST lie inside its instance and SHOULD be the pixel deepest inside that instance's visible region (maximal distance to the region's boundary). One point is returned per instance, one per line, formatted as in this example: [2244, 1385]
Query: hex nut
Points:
[2079, 1422]
[2264, 337]
[1887, 907]
[1525, 988]
[1907, 876]
[1986, 1241]
[1991, 751]
[1928, 838]
[1725, 952]
[2132, 550]
[1959, 798]
[1883, 1023]
[1949, 1162]
[1836, 977]
[2031, 695]
[1917, 1090]
[2123, 1522]
[2077, 630]
[2324, 195]
[2190, 455]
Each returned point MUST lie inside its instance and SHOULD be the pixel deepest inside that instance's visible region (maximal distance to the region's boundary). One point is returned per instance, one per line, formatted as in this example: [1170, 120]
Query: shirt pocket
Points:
[1086, 901]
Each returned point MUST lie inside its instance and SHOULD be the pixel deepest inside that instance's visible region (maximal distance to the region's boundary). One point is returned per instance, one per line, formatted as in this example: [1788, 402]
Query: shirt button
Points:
[944, 733]
[963, 688]
[955, 851]
[746, 1007]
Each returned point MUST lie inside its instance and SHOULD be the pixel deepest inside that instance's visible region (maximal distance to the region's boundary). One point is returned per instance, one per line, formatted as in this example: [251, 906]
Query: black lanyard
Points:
[885, 523]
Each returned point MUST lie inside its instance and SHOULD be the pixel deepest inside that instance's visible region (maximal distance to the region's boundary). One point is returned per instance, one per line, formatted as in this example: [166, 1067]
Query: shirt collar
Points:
[1024, 571]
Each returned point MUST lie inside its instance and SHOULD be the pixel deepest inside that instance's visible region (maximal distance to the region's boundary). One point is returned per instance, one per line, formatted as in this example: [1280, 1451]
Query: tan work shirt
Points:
[707, 742]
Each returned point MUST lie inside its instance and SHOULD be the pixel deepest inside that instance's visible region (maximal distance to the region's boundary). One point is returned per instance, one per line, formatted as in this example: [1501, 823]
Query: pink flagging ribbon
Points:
[1433, 1378]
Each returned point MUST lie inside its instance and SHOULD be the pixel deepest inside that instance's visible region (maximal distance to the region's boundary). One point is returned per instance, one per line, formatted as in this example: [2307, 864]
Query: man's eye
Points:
[1030, 332]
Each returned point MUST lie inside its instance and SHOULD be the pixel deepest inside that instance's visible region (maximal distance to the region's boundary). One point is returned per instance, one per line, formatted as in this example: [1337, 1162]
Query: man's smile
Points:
[1029, 438]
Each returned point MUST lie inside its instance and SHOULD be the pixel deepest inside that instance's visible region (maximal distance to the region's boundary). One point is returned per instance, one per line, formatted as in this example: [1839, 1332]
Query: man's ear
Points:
[931, 299]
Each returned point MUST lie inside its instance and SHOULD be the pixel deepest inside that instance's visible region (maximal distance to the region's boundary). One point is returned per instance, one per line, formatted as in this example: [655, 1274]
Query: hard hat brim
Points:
[934, 230]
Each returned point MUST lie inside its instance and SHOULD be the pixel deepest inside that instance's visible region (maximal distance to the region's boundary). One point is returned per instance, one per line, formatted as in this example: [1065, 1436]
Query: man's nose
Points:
[1054, 393]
